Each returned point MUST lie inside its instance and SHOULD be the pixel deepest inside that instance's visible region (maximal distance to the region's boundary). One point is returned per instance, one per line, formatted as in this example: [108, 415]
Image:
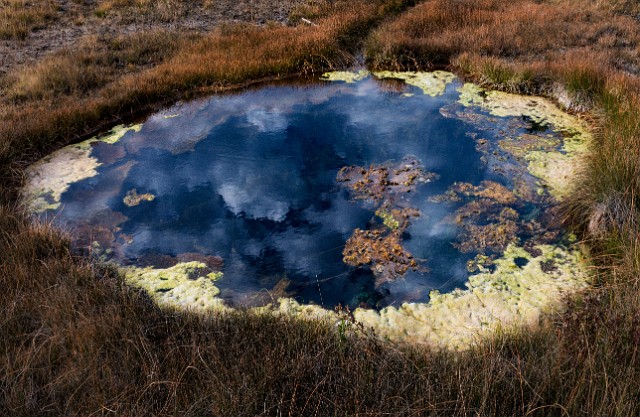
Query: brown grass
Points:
[79, 92]
[77, 342]
[585, 55]
[19, 17]
[163, 10]
[93, 64]
[176, 10]
[534, 34]
[582, 54]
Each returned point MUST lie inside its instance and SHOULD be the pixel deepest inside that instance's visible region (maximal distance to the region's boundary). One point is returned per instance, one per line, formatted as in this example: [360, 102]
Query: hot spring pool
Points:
[359, 190]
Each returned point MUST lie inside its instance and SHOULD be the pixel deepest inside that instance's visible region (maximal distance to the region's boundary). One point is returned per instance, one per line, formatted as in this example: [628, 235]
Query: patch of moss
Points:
[521, 288]
[558, 170]
[290, 307]
[185, 285]
[480, 263]
[111, 137]
[471, 94]
[117, 133]
[522, 146]
[431, 83]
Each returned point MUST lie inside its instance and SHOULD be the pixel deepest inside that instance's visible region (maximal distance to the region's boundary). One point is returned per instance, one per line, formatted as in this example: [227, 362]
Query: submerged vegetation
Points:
[78, 341]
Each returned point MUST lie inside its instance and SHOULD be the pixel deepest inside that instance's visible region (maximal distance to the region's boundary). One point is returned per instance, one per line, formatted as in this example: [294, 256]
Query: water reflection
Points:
[247, 182]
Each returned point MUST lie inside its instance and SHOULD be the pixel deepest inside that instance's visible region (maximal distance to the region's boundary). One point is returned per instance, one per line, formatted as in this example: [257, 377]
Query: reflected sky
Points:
[251, 178]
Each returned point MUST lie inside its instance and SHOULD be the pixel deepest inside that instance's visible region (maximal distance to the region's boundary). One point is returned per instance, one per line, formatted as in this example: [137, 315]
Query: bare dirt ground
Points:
[77, 19]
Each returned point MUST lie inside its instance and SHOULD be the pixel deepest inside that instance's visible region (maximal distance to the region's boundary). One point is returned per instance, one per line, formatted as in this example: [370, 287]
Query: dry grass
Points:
[163, 10]
[70, 93]
[522, 31]
[19, 17]
[76, 341]
[175, 10]
[583, 54]
[93, 64]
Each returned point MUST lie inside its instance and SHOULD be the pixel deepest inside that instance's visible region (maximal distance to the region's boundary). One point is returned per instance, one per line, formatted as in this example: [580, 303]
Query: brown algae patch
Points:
[49, 178]
[511, 295]
[382, 250]
[187, 285]
[488, 221]
[432, 83]
[132, 198]
[383, 182]
[383, 186]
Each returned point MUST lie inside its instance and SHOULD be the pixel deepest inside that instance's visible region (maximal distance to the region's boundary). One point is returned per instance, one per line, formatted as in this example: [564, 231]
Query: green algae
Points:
[111, 137]
[480, 263]
[471, 94]
[522, 146]
[431, 83]
[540, 110]
[555, 163]
[117, 133]
[558, 171]
[48, 178]
[348, 77]
[292, 308]
[511, 295]
[185, 285]
[388, 219]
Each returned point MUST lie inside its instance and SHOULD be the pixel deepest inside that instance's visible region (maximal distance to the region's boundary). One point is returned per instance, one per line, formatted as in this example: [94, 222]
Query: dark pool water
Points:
[250, 178]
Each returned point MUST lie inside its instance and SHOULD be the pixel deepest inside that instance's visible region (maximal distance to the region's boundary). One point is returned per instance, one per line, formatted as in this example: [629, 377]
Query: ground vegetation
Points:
[77, 341]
